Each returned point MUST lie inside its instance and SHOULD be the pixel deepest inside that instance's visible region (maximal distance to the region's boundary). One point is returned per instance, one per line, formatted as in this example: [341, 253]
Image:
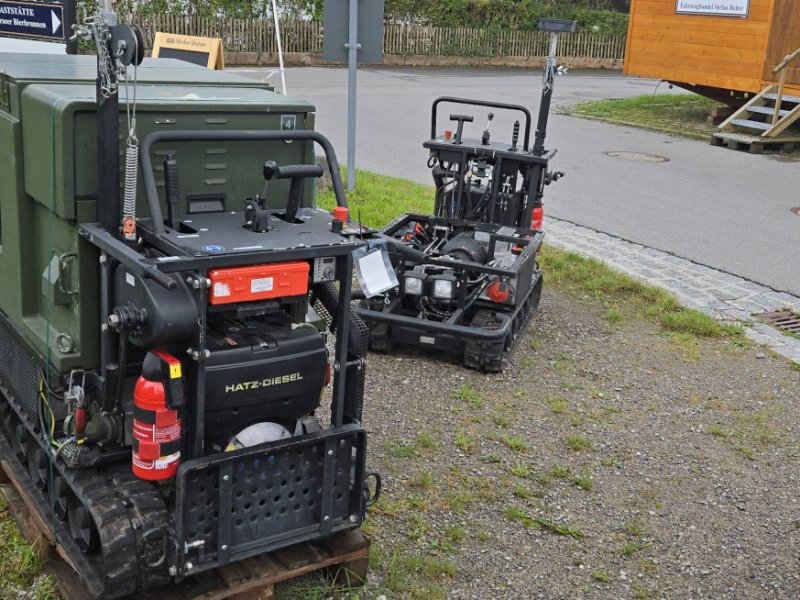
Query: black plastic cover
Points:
[170, 315]
[262, 372]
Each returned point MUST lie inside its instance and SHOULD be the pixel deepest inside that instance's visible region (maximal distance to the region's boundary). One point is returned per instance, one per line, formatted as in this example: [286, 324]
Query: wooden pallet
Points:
[755, 144]
[344, 557]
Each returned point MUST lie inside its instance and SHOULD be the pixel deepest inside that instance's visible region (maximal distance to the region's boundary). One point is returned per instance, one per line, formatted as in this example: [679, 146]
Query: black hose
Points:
[404, 249]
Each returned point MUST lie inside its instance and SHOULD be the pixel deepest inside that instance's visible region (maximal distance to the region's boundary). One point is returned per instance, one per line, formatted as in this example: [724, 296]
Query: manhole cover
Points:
[796, 210]
[785, 320]
[637, 156]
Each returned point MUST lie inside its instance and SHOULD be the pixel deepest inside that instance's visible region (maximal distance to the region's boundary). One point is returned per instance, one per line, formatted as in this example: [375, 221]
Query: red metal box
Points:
[258, 282]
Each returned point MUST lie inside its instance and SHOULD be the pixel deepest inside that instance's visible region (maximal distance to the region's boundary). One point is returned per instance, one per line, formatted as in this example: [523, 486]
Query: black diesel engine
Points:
[261, 374]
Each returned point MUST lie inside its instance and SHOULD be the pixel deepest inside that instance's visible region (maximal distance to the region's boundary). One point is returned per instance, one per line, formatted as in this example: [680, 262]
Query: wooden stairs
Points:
[766, 120]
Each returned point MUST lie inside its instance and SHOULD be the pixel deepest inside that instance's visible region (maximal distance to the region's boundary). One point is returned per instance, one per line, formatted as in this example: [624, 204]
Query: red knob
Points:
[340, 212]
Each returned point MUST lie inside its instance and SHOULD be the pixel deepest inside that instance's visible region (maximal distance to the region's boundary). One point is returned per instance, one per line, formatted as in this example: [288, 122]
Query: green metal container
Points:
[48, 170]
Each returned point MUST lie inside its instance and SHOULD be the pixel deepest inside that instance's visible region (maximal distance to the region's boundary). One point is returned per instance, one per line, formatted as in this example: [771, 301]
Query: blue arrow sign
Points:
[32, 19]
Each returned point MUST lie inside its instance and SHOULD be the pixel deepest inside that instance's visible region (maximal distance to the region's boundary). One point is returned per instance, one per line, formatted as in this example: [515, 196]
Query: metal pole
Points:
[547, 95]
[70, 17]
[108, 209]
[352, 60]
[280, 45]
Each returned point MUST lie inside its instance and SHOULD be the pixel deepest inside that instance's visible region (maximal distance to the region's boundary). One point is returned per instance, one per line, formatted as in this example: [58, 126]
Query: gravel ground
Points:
[608, 461]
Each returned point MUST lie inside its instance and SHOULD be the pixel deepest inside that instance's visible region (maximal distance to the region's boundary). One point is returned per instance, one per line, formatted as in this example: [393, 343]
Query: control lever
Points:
[297, 173]
[270, 168]
[460, 119]
[256, 214]
[486, 135]
[514, 137]
[172, 188]
[256, 211]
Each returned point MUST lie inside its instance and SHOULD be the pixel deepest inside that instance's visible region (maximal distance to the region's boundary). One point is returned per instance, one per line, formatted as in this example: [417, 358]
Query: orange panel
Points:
[260, 282]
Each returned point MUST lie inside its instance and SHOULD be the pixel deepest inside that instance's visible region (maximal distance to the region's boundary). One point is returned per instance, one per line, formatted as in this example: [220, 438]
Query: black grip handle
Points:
[515, 136]
[160, 278]
[298, 171]
[172, 187]
[461, 119]
[270, 168]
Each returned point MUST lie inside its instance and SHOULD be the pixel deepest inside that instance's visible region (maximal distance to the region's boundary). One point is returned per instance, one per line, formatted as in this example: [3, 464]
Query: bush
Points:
[591, 15]
[603, 16]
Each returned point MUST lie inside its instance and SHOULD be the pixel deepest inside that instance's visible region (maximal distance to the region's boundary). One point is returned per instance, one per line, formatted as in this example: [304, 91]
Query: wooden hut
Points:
[733, 51]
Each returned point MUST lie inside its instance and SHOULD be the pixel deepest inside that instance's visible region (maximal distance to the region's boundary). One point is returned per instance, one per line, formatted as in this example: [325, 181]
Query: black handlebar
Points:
[461, 119]
[454, 100]
[298, 171]
[151, 191]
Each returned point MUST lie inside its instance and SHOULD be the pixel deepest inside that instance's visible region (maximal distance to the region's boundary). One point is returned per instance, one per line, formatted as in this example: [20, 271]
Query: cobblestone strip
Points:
[722, 295]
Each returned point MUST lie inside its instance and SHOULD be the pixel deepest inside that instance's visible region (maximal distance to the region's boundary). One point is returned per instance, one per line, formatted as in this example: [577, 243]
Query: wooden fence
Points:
[252, 35]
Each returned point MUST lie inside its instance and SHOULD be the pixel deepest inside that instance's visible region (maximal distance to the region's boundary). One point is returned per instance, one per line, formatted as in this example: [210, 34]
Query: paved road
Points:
[728, 210]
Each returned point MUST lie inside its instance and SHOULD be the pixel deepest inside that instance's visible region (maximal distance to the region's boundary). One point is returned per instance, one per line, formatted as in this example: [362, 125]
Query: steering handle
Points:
[460, 119]
[298, 171]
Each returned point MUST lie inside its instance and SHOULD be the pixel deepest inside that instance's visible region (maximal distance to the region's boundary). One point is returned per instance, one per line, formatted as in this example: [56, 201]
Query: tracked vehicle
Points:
[468, 275]
[167, 328]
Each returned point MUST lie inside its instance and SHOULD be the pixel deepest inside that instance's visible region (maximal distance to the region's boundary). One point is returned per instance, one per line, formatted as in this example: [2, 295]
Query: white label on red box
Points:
[222, 290]
[263, 284]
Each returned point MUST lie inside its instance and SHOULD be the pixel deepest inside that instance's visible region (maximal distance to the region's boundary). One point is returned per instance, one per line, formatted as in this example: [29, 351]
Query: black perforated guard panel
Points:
[234, 505]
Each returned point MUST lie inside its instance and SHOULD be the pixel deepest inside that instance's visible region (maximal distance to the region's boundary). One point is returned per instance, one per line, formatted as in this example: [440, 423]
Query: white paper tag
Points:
[261, 285]
[373, 273]
[130, 279]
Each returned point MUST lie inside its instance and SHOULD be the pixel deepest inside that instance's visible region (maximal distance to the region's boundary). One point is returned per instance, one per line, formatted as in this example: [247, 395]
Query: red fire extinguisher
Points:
[156, 424]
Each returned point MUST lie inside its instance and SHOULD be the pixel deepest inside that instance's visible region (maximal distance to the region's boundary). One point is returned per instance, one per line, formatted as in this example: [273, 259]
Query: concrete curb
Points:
[721, 295]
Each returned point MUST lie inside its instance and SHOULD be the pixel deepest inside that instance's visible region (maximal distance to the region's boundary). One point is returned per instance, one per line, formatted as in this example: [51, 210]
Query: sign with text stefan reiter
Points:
[718, 8]
[32, 19]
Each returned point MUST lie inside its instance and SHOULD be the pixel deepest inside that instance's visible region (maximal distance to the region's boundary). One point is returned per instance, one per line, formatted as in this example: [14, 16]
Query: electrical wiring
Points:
[52, 427]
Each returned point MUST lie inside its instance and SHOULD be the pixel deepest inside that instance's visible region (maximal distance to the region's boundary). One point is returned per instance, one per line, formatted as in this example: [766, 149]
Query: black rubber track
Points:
[489, 356]
[123, 508]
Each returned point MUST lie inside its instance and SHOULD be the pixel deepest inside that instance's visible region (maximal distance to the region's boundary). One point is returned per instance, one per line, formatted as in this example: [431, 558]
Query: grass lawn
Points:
[680, 114]
[378, 199]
